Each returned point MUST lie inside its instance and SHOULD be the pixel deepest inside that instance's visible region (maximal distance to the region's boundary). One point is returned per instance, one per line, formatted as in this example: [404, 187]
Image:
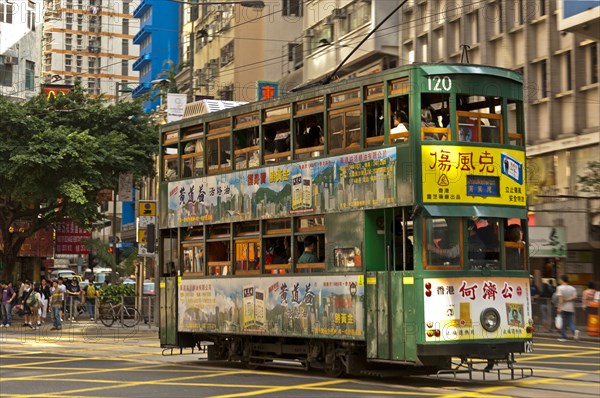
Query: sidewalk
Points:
[555, 334]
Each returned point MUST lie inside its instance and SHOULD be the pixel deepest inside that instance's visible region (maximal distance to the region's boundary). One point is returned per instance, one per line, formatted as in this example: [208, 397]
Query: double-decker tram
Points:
[375, 221]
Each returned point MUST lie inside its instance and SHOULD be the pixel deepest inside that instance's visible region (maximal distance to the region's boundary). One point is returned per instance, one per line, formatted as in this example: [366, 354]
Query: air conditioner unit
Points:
[339, 13]
[8, 60]
[309, 33]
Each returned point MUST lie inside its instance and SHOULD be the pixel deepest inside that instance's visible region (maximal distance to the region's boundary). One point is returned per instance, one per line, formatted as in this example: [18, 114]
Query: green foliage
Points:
[591, 180]
[115, 293]
[100, 250]
[56, 154]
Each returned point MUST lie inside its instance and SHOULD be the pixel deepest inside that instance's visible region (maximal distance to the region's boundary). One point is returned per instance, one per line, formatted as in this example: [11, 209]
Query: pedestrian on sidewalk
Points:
[90, 293]
[567, 295]
[8, 297]
[587, 297]
[56, 303]
[45, 294]
[30, 303]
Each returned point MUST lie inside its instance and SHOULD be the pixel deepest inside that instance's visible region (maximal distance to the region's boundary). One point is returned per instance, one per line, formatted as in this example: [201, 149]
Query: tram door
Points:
[168, 311]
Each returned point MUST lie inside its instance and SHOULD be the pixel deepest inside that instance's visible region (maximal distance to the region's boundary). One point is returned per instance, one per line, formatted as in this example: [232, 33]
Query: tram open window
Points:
[277, 147]
[443, 237]
[403, 244]
[399, 130]
[218, 151]
[170, 253]
[310, 253]
[514, 118]
[309, 139]
[435, 117]
[170, 171]
[514, 245]
[246, 147]
[374, 115]
[218, 249]
[193, 159]
[276, 245]
[483, 243]
[193, 251]
[344, 130]
[479, 119]
[247, 256]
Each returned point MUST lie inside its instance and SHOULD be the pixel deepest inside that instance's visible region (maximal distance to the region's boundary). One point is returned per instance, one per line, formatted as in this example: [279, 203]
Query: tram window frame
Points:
[399, 86]
[308, 125]
[280, 149]
[310, 106]
[298, 250]
[170, 164]
[247, 256]
[486, 121]
[514, 117]
[348, 138]
[196, 267]
[192, 158]
[399, 112]
[170, 137]
[374, 121]
[483, 244]
[245, 154]
[218, 242]
[515, 244]
[344, 98]
[435, 117]
[277, 113]
[428, 233]
[277, 232]
[219, 154]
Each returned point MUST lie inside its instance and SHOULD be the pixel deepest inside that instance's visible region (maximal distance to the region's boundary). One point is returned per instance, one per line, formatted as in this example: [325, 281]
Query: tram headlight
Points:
[490, 319]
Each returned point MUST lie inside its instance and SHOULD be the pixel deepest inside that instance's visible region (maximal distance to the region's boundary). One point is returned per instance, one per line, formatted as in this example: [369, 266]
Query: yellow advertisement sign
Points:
[469, 174]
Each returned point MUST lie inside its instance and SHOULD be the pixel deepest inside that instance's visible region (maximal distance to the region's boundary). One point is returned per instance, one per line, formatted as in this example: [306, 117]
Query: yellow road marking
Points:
[279, 389]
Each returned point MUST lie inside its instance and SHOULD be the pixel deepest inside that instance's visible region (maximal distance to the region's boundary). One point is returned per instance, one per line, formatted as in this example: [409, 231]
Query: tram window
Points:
[514, 116]
[344, 130]
[442, 243]
[218, 150]
[435, 117]
[170, 169]
[246, 146]
[483, 243]
[374, 120]
[309, 136]
[401, 245]
[276, 142]
[247, 256]
[277, 255]
[479, 118]
[514, 247]
[347, 257]
[399, 119]
[193, 259]
[218, 257]
[310, 253]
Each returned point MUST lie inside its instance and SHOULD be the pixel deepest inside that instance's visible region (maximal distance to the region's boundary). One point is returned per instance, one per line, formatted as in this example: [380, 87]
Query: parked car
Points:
[61, 273]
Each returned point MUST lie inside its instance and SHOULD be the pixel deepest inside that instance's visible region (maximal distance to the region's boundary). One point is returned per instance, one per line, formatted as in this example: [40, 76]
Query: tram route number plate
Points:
[528, 346]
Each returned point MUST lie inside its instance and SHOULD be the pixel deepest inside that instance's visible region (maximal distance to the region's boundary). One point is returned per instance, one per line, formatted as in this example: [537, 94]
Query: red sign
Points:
[54, 90]
[68, 238]
[104, 195]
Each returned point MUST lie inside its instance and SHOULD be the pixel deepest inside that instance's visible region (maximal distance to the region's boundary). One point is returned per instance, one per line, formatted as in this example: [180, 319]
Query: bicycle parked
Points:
[127, 315]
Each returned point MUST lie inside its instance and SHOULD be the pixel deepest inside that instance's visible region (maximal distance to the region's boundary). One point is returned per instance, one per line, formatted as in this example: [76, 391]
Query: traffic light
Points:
[150, 238]
[109, 250]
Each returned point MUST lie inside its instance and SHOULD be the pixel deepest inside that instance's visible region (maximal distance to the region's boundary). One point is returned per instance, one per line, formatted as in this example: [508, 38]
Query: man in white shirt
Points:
[566, 307]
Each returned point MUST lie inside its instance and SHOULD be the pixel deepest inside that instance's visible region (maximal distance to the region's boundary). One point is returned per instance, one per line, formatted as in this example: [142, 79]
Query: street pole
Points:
[114, 228]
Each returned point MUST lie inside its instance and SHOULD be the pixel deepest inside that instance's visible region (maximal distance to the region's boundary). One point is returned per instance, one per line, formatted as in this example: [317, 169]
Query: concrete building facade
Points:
[90, 42]
[20, 33]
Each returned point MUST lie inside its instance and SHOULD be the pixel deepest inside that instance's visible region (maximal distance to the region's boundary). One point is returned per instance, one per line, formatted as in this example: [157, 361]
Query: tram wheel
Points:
[334, 369]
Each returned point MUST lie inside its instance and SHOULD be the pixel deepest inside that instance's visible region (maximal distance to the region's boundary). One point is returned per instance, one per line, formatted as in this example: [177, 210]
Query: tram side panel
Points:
[291, 306]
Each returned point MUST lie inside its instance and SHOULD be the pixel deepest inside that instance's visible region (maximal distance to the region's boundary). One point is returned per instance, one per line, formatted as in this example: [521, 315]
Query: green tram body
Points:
[367, 300]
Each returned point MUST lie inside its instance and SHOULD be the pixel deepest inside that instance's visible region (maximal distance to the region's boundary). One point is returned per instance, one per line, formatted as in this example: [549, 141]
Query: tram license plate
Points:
[528, 346]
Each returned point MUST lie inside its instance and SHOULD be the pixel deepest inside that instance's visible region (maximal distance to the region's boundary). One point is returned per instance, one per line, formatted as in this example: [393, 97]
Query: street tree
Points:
[56, 155]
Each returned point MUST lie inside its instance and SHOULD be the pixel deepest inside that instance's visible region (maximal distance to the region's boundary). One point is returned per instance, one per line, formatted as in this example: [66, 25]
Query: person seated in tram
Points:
[312, 135]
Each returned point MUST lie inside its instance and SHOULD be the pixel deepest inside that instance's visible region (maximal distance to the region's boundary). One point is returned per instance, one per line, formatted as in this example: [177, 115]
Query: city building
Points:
[234, 51]
[90, 42]
[158, 41]
[20, 33]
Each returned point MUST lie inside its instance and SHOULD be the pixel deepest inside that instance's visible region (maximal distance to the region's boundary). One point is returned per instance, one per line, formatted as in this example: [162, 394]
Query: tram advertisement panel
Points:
[454, 307]
[330, 306]
[347, 182]
[469, 174]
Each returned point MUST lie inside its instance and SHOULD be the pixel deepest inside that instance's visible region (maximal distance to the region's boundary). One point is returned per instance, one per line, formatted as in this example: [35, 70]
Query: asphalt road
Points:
[88, 360]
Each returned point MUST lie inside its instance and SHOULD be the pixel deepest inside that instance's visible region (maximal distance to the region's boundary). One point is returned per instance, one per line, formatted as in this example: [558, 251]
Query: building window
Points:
[125, 7]
[29, 75]
[125, 47]
[31, 19]
[6, 72]
[68, 62]
[6, 13]
[125, 26]
[227, 53]
[354, 16]
[125, 67]
[291, 8]
[474, 27]
[454, 36]
[518, 4]
[424, 47]
[496, 15]
[566, 74]
[541, 8]
[593, 63]
[543, 80]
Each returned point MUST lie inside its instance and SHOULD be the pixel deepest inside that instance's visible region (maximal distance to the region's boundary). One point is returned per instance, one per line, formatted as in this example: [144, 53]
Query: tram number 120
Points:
[437, 83]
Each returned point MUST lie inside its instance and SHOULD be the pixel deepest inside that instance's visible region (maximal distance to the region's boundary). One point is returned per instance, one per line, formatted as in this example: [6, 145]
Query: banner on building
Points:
[175, 106]
[69, 236]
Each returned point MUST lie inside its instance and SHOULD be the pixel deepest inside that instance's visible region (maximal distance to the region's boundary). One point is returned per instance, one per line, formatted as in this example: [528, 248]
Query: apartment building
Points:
[20, 33]
[231, 51]
[90, 42]
[158, 41]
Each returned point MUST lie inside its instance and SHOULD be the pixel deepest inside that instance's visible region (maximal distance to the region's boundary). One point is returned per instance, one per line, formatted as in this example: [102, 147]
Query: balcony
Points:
[139, 64]
[141, 89]
[140, 10]
[141, 35]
